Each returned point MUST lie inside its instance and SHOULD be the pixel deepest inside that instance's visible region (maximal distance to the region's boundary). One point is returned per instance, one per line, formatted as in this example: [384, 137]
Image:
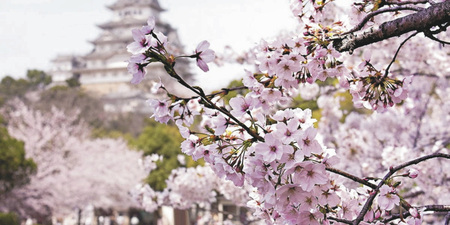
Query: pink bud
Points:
[414, 212]
[377, 214]
[413, 173]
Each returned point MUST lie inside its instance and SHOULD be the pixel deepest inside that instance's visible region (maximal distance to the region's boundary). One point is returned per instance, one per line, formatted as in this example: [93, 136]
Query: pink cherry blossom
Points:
[272, 149]
[204, 55]
[307, 142]
[290, 163]
[310, 175]
[288, 132]
[310, 218]
[388, 198]
[160, 109]
[136, 66]
[241, 105]
[141, 42]
[148, 29]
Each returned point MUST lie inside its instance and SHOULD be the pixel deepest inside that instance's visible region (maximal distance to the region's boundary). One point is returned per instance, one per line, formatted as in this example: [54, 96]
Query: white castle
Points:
[103, 71]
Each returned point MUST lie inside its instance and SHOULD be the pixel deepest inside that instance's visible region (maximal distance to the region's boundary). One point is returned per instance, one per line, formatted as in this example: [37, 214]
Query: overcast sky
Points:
[35, 31]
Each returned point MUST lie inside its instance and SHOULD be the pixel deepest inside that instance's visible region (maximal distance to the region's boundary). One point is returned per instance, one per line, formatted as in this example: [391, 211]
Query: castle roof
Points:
[126, 22]
[125, 3]
[105, 55]
[64, 58]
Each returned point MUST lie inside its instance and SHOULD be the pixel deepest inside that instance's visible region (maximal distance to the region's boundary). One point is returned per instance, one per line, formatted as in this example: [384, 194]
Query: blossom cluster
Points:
[256, 139]
[70, 164]
[150, 46]
[374, 90]
[187, 187]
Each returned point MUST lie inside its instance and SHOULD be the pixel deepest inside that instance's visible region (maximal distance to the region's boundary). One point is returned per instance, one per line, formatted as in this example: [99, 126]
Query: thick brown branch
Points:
[423, 20]
[380, 11]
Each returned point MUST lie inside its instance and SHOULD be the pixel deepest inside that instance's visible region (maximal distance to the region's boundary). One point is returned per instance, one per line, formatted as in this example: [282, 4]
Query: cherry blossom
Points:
[70, 164]
[204, 55]
[387, 199]
[307, 170]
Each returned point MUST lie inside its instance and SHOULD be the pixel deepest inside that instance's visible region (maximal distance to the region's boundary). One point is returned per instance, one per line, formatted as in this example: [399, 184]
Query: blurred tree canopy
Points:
[9, 219]
[15, 169]
[70, 100]
[38, 78]
[165, 141]
[10, 87]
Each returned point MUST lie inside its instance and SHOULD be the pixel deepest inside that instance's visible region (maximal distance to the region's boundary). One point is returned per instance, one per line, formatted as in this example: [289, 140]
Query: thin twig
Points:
[405, 2]
[380, 11]
[430, 36]
[427, 208]
[171, 71]
[447, 219]
[392, 170]
[398, 50]
[352, 177]
[418, 74]
[414, 194]
[442, 28]
[226, 91]
[340, 220]
[419, 126]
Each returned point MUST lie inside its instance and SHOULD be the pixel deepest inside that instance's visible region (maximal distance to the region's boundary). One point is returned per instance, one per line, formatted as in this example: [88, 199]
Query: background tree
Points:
[12, 88]
[9, 219]
[38, 78]
[164, 141]
[73, 169]
[73, 100]
[15, 169]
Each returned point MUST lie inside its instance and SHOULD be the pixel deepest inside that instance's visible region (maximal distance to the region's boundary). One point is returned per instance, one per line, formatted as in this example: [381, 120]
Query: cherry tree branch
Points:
[423, 20]
[351, 177]
[398, 50]
[419, 125]
[225, 91]
[414, 194]
[396, 2]
[380, 11]
[419, 74]
[430, 36]
[340, 220]
[171, 71]
[426, 208]
[392, 170]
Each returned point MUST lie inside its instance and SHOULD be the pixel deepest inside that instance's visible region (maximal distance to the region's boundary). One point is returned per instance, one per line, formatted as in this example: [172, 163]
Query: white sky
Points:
[34, 31]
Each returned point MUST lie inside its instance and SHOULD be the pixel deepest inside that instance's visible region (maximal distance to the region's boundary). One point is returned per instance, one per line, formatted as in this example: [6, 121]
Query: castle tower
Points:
[103, 71]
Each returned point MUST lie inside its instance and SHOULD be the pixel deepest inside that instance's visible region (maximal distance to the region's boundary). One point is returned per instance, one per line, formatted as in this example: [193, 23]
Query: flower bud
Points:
[413, 173]
[414, 212]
